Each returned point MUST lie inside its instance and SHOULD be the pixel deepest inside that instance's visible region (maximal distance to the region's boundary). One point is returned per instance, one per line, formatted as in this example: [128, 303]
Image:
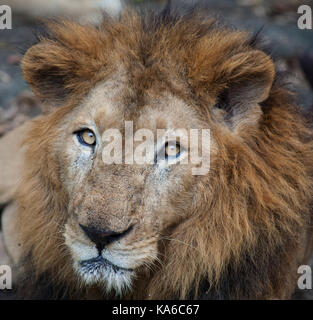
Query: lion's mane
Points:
[254, 232]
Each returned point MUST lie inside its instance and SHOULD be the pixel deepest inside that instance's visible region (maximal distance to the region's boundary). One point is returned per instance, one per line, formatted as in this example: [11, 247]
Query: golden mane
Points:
[256, 228]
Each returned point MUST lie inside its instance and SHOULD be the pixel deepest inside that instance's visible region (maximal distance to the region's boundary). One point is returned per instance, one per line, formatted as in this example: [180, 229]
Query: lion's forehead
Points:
[112, 102]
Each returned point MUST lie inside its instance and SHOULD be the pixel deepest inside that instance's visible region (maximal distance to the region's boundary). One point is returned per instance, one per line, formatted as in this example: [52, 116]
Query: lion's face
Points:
[118, 212]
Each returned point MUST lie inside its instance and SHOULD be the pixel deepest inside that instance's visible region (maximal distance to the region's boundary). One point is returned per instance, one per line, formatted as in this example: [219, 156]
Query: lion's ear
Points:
[47, 68]
[246, 79]
[64, 62]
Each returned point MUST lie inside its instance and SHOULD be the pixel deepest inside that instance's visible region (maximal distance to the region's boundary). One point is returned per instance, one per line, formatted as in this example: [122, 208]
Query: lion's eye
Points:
[86, 137]
[172, 150]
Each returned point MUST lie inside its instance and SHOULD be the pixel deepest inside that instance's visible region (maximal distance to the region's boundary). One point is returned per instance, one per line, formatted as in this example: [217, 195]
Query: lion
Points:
[78, 228]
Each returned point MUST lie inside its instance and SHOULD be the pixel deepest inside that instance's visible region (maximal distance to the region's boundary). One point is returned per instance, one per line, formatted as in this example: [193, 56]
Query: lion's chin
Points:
[100, 271]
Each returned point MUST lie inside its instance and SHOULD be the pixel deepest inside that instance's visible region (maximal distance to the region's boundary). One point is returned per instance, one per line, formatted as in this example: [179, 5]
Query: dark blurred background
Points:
[291, 47]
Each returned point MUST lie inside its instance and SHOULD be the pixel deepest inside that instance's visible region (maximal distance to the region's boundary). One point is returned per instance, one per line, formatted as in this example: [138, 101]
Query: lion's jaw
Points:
[112, 269]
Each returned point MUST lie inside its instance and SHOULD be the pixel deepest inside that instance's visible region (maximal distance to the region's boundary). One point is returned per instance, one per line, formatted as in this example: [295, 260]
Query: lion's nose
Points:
[103, 237]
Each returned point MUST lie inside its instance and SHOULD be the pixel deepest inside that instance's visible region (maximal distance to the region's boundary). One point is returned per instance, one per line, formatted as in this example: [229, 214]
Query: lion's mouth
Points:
[99, 263]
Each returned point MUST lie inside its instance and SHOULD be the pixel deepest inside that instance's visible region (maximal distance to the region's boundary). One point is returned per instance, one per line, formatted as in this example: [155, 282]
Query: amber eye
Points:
[86, 137]
[172, 150]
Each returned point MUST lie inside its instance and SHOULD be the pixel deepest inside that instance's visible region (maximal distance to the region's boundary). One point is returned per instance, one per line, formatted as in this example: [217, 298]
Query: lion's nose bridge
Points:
[110, 203]
[112, 197]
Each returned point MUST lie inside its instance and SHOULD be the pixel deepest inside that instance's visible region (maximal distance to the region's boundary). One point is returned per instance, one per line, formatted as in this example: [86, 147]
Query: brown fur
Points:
[243, 229]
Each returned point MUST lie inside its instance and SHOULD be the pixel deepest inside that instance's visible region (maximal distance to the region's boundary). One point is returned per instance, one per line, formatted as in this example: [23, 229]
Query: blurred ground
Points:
[291, 47]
